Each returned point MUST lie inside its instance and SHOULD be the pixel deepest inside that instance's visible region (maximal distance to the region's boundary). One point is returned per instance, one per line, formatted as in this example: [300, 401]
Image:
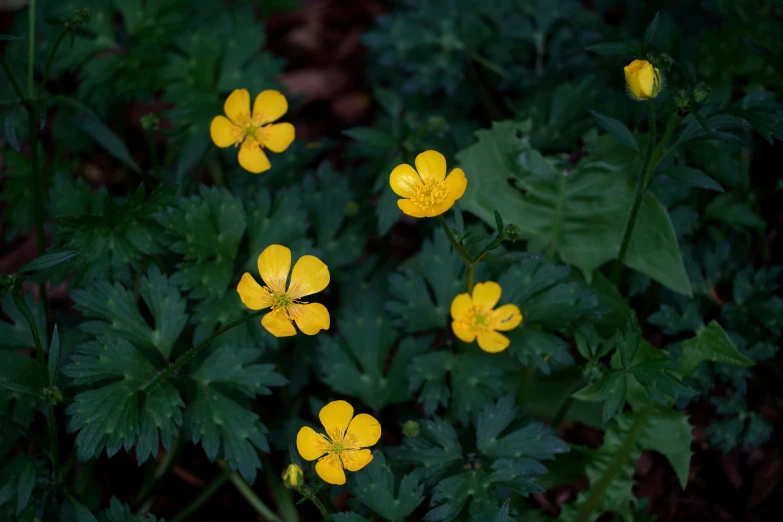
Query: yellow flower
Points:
[293, 476]
[253, 131]
[643, 80]
[428, 192]
[310, 275]
[342, 447]
[474, 317]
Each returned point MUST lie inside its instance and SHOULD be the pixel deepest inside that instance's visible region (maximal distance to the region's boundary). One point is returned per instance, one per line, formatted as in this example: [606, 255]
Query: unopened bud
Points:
[52, 395]
[511, 232]
[701, 92]
[293, 476]
[410, 428]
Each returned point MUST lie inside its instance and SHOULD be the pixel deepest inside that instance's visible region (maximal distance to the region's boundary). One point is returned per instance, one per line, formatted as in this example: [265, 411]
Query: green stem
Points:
[615, 465]
[11, 78]
[31, 51]
[247, 492]
[50, 60]
[469, 279]
[312, 497]
[459, 248]
[488, 64]
[205, 495]
[187, 356]
[565, 404]
[36, 187]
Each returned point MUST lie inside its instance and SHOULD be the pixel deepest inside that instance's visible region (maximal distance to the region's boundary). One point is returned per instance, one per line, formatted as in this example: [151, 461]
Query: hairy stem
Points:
[50, 60]
[312, 497]
[190, 354]
[459, 248]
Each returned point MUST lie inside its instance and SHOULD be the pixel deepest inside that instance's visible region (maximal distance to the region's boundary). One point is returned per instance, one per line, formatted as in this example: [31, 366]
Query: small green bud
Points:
[511, 232]
[681, 98]
[81, 17]
[150, 122]
[52, 395]
[593, 371]
[351, 208]
[410, 428]
[437, 124]
[293, 476]
[701, 92]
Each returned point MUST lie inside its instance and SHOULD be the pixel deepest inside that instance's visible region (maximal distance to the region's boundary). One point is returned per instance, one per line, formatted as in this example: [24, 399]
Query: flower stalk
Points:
[310, 495]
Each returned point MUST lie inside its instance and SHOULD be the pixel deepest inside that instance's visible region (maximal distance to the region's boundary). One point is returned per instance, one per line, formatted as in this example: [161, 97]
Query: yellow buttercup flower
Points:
[253, 131]
[474, 317]
[343, 446]
[293, 476]
[310, 275]
[428, 192]
[643, 80]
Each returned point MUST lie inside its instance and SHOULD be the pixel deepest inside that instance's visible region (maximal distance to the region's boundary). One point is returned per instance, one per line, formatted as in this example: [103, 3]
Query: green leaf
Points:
[435, 451]
[119, 512]
[693, 178]
[19, 214]
[652, 29]
[108, 139]
[82, 513]
[372, 137]
[115, 413]
[617, 129]
[25, 487]
[580, 216]
[452, 494]
[116, 308]
[502, 515]
[390, 101]
[376, 490]
[13, 119]
[623, 49]
[219, 417]
[668, 432]
[8, 37]
[17, 334]
[355, 363]
[20, 389]
[498, 220]
[710, 344]
[18, 369]
[47, 261]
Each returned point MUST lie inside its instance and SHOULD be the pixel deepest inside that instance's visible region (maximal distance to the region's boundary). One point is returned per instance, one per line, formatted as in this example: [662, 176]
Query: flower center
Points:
[337, 448]
[479, 319]
[428, 195]
[283, 300]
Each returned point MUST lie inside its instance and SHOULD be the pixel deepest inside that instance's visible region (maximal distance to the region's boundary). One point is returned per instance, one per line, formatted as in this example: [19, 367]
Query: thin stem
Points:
[36, 187]
[282, 495]
[469, 279]
[487, 63]
[12, 78]
[247, 492]
[50, 60]
[31, 51]
[205, 495]
[615, 465]
[460, 250]
[187, 356]
[312, 497]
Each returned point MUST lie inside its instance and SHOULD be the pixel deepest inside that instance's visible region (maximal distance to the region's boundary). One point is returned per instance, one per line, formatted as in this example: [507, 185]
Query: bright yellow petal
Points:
[462, 332]
[223, 132]
[461, 304]
[274, 263]
[440, 208]
[252, 158]
[507, 317]
[404, 180]
[277, 137]
[431, 165]
[493, 342]
[363, 431]
[310, 444]
[330, 469]
[310, 318]
[253, 295]
[278, 324]
[354, 460]
[237, 107]
[269, 106]
[407, 207]
[456, 183]
[486, 294]
[310, 275]
[335, 417]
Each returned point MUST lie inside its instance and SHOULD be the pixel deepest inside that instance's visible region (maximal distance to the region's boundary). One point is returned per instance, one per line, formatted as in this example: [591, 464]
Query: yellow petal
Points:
[354, 460]
[277, 137]
[486, 294]
[310, 275]
[274, 264]
[507, 317]
[237, 107]
[431, 165]
[310, 444]
[462, 332]
[407, 207]
[456, 183]
[335, 417]
[269, 106]
[460, 305]
[363, 431]
[278, 324]
[253, 295]
[310, 318]
[640, 76]
[252, 158]
[493, 342]
[404, 180]
[440, 208]
[223, 132]
[330, 469]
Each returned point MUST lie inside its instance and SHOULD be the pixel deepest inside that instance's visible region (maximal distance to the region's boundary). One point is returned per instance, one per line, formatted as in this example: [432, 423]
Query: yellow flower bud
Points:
[293, 476]
[643, 80]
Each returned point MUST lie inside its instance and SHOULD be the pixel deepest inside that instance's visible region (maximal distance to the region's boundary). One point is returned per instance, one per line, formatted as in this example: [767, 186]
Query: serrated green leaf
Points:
[108, 139]
[436, 449]
[668, 432]
[119, 512]
[693, 178]
[20, 389]
[47, 261]
[376, 490]
[617, 129]
[579, 216]
[82, 513]
[710, 344]
[503, 515]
